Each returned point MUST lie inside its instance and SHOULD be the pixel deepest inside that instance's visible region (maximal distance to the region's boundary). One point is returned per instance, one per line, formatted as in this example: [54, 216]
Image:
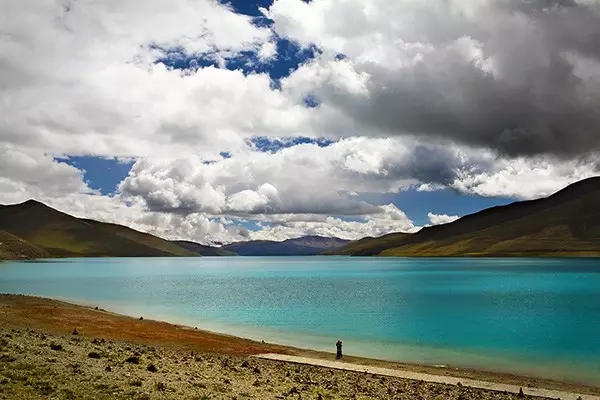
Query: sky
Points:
[225, 121]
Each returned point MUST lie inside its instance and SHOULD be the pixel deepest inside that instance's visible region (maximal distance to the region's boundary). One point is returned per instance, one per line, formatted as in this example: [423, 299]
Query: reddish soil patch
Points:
[61, 317]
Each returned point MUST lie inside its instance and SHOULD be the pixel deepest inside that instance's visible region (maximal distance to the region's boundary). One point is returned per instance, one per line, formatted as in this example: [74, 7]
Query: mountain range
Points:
[57, 234]
[303, 246]
[34, 230]
[566, 223]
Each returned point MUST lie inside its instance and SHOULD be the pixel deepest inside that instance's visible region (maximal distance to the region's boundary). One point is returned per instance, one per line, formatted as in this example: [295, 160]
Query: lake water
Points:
[539, 317]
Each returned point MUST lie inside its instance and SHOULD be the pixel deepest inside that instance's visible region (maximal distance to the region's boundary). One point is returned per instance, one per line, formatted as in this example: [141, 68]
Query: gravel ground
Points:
[39, 364]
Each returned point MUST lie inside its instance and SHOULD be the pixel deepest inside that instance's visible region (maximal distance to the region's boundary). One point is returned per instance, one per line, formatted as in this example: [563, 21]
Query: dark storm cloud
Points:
[533, 88]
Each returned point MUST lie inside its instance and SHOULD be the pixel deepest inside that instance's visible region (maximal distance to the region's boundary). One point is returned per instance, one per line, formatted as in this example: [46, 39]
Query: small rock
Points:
[75, 332]
[293, 390]
[245, 364]
[152, 368]
[56, 347]
[521, 394]
[108, 368]
[94, 354]
[141, 318]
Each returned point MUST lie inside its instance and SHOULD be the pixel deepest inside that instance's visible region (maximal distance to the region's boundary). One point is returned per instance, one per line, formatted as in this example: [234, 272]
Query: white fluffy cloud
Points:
[85, 78]
[439, 219]
[508, 90]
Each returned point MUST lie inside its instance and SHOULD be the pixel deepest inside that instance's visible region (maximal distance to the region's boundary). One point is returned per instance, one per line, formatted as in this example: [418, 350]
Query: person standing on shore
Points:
[338, 345]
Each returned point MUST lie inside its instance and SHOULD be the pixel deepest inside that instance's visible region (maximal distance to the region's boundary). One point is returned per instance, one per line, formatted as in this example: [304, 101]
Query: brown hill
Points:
[15, 248]
[566, 223]
[62, 235]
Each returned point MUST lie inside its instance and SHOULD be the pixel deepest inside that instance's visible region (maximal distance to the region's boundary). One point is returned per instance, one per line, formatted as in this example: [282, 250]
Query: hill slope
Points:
[566, 223]
[204, 250]
[62, 235]
[303, 246]
[368, 245]
[15, 248]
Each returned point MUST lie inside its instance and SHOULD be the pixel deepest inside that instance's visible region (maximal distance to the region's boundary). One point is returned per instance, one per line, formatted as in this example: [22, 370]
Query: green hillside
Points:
[62, 235]
[15, 248]
[564, 224]
[368, 246]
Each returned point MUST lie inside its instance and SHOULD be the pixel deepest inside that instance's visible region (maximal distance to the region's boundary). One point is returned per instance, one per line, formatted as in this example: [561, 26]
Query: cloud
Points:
[303, 179]
[23, 173]
[521, 78]
[439, 219]
[97, 85]
[486, 97]
[525, 178]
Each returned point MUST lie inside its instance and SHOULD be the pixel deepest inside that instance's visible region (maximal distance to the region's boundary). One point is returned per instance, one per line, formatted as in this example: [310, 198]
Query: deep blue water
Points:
[534, 316]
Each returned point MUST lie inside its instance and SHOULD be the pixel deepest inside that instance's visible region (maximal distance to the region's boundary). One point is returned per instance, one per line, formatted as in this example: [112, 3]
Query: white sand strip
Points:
[449, 380]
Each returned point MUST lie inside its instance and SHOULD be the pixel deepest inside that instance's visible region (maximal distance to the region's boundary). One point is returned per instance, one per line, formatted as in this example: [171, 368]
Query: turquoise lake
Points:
[539, 317]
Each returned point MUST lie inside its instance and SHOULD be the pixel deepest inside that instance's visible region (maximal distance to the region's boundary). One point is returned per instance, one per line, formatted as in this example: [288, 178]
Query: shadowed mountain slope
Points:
[62, 235]
[204, 250]
[15, 248]
[303, 246]
[566, 223]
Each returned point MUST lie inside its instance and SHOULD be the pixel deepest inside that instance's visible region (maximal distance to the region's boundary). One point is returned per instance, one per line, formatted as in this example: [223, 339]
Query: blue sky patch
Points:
[272, 145]
[416, 205]
[101, 173]
[289, 57]
[311, 101]
[248, 7]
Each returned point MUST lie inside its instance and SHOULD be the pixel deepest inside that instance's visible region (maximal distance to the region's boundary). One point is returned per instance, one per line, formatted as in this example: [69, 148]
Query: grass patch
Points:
[44, 388]
[7, 358]
[102, 387]
[67, 394]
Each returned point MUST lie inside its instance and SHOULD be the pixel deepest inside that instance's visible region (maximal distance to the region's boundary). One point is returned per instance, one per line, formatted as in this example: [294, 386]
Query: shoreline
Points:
[62, 317]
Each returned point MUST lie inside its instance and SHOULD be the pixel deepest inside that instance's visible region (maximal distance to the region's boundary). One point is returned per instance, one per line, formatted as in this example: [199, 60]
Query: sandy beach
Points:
[112, 356]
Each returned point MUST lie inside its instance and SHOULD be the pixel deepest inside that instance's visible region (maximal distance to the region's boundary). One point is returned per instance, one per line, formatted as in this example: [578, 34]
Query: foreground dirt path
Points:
[417, 376]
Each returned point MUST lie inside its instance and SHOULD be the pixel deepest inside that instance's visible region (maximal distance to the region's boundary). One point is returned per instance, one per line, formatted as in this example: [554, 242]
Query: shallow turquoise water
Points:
[534, 316]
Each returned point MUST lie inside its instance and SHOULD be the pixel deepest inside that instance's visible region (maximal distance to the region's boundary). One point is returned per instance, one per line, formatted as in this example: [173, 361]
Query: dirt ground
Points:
[118, 357]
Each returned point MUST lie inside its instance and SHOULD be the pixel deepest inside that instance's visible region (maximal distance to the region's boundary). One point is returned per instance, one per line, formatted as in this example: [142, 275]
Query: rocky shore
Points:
[39, 359]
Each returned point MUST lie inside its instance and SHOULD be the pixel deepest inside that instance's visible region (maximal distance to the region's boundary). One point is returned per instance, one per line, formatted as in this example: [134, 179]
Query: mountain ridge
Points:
[564, 223]
[62, 235]
[204, 250]
[301, 246]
